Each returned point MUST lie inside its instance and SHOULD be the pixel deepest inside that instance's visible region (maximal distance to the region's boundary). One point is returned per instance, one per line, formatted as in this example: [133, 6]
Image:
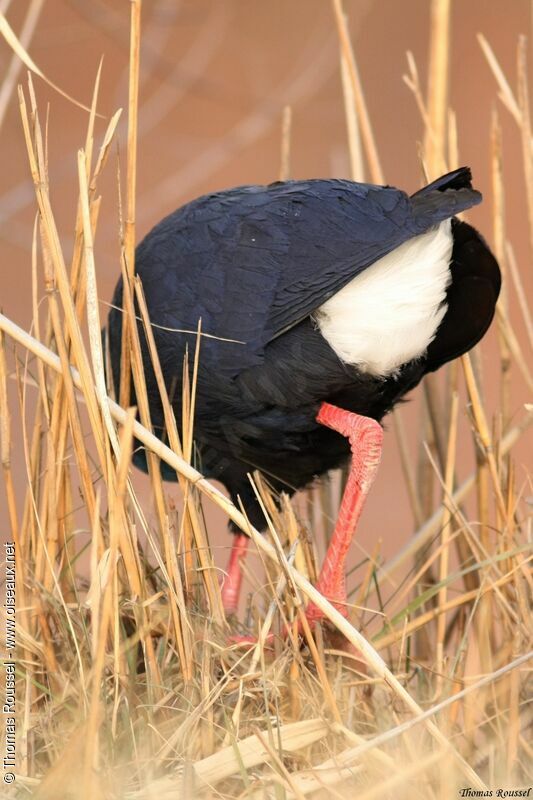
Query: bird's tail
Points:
[444, 198]
[458, 179]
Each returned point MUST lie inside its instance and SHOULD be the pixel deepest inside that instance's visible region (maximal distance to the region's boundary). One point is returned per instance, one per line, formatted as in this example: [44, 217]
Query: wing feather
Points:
[254, 261]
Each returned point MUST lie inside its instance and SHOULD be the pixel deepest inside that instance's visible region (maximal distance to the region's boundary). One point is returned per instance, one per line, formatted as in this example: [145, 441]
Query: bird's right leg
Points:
[231, 586]
[365, 436]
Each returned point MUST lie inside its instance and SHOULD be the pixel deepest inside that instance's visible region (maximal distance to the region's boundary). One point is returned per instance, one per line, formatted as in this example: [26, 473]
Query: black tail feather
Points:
[458, 179]
[444, 198]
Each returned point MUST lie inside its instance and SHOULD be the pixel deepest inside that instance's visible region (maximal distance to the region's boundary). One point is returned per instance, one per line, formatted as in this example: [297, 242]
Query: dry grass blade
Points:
[506, 95]
[26, 34]
[93, 315]
[15, 44]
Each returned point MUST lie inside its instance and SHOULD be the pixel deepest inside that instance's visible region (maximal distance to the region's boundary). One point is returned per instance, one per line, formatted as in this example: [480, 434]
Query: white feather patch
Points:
[389, 314]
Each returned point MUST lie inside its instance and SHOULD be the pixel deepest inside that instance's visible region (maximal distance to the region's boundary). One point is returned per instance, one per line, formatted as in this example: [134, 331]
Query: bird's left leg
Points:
[231, 587]
[365, 436]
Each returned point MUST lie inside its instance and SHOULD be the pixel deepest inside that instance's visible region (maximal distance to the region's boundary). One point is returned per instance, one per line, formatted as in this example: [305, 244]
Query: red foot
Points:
[231, 586]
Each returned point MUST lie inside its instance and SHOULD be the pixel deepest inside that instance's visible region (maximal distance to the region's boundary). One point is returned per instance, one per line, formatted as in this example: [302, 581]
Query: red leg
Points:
[365, 437]
[231, 587]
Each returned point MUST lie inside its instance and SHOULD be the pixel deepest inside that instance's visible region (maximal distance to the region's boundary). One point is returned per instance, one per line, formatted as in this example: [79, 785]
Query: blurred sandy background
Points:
[215, 76]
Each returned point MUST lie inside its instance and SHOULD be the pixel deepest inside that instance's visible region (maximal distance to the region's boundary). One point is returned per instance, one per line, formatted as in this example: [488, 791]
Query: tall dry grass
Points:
[127, 684]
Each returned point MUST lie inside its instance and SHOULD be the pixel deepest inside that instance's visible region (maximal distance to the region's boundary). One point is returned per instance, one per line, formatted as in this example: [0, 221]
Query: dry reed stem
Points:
[77, 275]
[525, 130]
[200, 539]
[99, 636]
[520, 292]
[264, 631]
[445, 539]
[437, 92]
[373, 562]
[133, 106]
[482, 429]
[412, 81]
[60, 277]
[93, 315]
[77, 286]
[357, 167]
[285, 160]
[131, 181]
[363, 116]
[359, 128]
[69, 411]
[285, 778]
[407, 467]
[499, 250]
[60, 415]
[434, 160]
[453, 141]
[511, 342]
[440, 140]
[187, 426]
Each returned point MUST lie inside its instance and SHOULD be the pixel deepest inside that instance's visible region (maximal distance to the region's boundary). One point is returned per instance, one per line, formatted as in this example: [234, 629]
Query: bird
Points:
[322, 303]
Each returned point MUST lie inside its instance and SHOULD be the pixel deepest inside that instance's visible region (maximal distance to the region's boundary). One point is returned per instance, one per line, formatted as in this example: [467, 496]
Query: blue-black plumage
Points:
[260, 265]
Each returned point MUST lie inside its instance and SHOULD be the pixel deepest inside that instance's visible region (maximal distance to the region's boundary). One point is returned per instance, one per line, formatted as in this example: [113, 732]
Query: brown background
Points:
[215, 75]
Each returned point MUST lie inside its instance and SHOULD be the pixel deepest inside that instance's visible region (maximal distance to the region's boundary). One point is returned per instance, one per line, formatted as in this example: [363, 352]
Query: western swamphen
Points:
[322, 303]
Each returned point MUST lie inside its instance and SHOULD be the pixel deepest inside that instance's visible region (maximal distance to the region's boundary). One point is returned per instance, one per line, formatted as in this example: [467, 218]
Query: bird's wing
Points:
[345, 231]
[254, 261]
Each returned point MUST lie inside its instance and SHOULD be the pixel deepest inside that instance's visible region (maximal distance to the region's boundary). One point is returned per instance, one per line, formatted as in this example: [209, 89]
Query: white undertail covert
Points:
[388, 315]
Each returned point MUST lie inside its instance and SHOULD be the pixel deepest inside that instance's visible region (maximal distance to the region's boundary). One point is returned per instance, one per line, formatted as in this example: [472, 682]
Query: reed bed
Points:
[128, 684]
